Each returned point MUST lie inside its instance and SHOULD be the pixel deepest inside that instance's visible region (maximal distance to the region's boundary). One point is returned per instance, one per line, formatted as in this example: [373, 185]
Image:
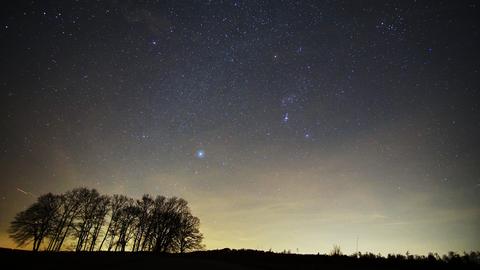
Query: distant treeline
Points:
[335, 257]
[84, 220]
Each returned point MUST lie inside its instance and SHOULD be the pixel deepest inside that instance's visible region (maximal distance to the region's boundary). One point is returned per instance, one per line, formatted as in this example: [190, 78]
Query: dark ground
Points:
[218, 259]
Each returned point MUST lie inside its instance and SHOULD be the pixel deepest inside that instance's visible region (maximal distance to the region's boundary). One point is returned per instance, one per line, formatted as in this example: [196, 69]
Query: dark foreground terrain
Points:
[217, 259]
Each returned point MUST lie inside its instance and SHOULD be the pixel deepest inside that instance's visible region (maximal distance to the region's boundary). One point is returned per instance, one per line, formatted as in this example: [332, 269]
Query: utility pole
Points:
[357, 247]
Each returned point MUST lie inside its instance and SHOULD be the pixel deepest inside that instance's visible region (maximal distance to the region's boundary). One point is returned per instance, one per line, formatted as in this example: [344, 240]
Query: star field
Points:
[285, 124]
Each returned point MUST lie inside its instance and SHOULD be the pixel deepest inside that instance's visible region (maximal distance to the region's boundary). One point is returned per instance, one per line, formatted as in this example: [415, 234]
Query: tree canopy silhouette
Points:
[84, 220]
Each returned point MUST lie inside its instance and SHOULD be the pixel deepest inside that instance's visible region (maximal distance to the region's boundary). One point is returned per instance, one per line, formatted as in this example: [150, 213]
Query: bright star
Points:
[200, 153]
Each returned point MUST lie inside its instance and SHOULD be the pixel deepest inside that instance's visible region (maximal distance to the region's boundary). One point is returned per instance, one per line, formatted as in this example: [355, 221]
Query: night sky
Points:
[285, 124]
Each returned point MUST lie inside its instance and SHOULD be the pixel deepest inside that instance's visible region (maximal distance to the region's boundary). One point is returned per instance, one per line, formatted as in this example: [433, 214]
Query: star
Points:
[200, 154]
[285, 117]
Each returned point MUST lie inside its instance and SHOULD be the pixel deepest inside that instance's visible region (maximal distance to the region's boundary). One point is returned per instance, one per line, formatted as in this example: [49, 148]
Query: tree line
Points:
[84, 220]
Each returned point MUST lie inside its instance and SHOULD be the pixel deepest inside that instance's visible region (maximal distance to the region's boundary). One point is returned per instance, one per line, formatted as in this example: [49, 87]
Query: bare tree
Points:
[117, 203]
[90, 219]
[189, 237]
[143, 224]
[35, 222]
[336, 251]
[99, 219]
[164, 220]
[79, 218]
[86, 217]
[71, 205]
[127, 216]
[175, 228]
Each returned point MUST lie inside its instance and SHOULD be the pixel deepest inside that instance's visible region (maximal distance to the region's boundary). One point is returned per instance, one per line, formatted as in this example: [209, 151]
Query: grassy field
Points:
[216, 259]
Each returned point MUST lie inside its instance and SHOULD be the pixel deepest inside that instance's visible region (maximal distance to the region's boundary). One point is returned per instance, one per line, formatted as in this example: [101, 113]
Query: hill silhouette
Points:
[225, 259]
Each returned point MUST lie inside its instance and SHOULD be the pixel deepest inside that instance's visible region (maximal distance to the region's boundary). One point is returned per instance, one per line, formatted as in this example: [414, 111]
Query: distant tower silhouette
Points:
[356, 252]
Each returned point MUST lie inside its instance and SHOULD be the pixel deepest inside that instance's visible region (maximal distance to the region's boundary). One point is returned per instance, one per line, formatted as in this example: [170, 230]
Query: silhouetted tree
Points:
[90, 219]
[189, 236]
[80, 215]
[125, 221]
[100, 212]
[336, 251]
[35, 222]
[86, 217]
[117, 203]
[166, 223]
[71, 205]
[145, 207]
